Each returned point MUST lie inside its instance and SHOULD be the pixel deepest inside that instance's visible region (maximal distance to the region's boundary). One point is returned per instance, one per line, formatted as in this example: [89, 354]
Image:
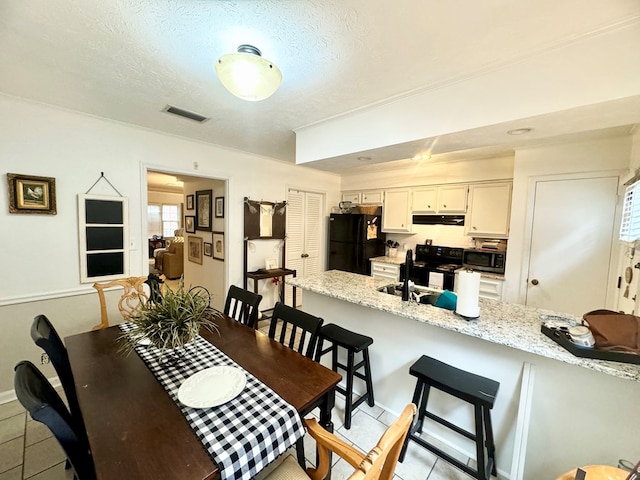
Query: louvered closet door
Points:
[304, 235]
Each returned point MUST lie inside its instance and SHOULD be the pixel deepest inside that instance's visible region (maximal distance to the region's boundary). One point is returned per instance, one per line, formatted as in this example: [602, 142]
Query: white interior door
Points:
[304, 236]
[572, 234]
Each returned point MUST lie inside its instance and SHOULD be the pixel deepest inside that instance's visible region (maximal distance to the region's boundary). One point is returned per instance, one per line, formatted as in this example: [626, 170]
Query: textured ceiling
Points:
[127, 59]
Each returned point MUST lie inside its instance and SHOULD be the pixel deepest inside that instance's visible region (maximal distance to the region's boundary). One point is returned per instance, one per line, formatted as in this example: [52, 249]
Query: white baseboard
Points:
[10, 395]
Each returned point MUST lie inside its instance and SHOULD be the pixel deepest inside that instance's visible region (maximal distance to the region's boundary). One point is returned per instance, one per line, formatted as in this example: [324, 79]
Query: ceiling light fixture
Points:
[421, 156]
[519, 131]
[248, 75]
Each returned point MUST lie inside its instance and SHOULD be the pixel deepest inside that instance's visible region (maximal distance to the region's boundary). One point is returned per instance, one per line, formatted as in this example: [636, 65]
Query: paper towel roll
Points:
[468, 294]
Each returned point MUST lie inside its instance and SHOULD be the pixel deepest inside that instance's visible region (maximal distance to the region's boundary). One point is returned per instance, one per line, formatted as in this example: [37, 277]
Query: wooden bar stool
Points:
[474, 389]
[353, 343]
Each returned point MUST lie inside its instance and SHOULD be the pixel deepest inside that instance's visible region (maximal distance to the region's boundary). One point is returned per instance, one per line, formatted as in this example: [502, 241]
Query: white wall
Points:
[607, 155]
[40, 260]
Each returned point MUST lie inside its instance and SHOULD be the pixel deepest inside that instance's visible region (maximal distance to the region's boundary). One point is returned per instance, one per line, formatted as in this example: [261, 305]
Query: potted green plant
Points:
[392, 248]
[172, 322]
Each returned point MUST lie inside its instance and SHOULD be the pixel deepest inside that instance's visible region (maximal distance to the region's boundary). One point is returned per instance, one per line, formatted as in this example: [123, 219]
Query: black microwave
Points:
[484, 260]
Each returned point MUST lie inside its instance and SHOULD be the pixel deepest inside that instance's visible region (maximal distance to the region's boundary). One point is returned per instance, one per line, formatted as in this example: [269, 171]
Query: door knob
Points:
[535, 281]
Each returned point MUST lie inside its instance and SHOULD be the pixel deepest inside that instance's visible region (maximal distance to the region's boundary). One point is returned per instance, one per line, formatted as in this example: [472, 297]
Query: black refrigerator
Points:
[354, 238]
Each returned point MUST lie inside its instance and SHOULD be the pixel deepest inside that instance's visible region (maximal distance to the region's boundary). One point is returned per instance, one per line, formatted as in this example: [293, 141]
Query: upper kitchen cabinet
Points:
[452, 199]
[489, 210]
[440, 199]
[371, 197]
[353, 197]
[425, 200]
[396, 211]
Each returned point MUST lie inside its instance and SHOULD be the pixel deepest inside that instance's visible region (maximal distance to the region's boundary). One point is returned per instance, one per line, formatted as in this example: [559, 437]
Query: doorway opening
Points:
[180, 221]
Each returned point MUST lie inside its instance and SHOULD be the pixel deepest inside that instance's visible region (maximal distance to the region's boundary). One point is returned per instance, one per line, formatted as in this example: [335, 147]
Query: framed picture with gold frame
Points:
[31, 194]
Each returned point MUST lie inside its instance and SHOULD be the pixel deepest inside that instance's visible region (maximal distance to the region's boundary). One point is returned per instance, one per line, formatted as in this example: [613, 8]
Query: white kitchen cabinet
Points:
[442, 199]
[353, 197]
[489, 210]
[370, 197]
[385, 270]
[491, 288]
[396, 211]
[452, 198]
[425, 200]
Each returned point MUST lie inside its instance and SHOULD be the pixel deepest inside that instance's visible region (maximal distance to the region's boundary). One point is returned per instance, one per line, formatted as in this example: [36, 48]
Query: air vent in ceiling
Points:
[185, 113]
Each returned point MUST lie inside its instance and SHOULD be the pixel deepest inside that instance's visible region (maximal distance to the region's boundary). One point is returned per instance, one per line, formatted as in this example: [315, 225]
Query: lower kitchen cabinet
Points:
[491, 288]
[385, 270]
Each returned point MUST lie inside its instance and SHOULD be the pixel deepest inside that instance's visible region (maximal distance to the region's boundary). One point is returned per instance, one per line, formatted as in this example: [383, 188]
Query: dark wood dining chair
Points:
[43, 403]
[242, 305]
[294, 328]
[378, 464]
[46, 337]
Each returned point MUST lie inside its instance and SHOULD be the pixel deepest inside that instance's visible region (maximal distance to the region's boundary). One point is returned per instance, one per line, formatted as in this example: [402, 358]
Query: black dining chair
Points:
[295, 328]
[43, 403]
[46, 337]
[242, 305]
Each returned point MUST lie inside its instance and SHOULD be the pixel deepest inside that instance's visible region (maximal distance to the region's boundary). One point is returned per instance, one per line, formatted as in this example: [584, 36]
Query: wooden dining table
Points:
[135, 429]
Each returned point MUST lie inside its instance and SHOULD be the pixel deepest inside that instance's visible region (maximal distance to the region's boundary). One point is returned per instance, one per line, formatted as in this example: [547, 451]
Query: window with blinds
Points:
[630, 225]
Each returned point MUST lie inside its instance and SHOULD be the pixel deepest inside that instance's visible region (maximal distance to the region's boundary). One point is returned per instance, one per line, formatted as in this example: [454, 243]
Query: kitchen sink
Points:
[419, 294]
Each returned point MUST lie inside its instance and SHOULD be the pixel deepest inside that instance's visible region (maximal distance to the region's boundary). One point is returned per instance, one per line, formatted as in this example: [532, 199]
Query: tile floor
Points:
[28, 451]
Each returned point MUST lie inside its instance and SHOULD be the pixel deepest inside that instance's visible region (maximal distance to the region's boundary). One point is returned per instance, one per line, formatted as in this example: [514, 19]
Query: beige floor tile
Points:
[42, 456]
[13, 474]
[417, 463]
[365, 431]
[374, 411]
[12, 427]
[11, 454]
[445, 471]
[57, 472]
[10, 409]
[36, 432]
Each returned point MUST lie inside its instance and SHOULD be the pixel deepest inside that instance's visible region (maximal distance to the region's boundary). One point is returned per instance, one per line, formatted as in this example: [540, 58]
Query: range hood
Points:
[438, 220]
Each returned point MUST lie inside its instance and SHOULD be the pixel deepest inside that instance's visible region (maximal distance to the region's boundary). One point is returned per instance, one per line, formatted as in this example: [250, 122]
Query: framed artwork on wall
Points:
[207, 248]
[31, 194]
[190, 224]
[218, 245]
[189, 202]
[194, 246]
[219, 207]
[203, 210]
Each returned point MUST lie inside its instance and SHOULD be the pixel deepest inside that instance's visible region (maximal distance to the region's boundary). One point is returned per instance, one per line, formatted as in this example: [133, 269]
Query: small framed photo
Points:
[218, 245]
[203, 210]
[219, 207]
[194, 246]
[189, 202]
[190, 224]
[207, 249]
[30, 194]
[270, 263]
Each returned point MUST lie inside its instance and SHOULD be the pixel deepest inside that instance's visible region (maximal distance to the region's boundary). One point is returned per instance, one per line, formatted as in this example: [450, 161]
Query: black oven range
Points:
[433, 258]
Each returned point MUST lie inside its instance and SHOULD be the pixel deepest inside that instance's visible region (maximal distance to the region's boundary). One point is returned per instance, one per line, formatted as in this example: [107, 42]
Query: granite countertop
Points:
[398, 260]
[512, 325]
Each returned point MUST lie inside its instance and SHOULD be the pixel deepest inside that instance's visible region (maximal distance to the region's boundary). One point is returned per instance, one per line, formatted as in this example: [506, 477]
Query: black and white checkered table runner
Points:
[245, 434]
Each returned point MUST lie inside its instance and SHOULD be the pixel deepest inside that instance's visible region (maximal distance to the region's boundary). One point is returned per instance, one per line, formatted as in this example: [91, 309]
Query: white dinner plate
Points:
[212, 387]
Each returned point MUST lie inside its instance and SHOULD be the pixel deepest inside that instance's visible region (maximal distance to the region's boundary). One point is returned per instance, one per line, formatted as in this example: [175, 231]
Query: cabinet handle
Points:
[444, 206]
[304, 255]
[535, 281]
[475, 228]
[428, 206]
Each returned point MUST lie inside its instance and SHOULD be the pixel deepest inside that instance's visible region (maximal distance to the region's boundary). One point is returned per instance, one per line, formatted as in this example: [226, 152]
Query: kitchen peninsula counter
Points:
[512, 325]
[543, 388]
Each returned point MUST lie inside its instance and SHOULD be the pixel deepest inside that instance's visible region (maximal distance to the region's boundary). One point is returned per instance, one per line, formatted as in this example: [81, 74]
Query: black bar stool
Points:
[479, 391]
[353, 343]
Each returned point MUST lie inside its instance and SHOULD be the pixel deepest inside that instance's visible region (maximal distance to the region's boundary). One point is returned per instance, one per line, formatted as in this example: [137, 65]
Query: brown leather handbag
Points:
[614, 331]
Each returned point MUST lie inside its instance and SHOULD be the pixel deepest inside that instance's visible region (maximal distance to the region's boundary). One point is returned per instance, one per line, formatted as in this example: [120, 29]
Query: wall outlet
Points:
[44, 359]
